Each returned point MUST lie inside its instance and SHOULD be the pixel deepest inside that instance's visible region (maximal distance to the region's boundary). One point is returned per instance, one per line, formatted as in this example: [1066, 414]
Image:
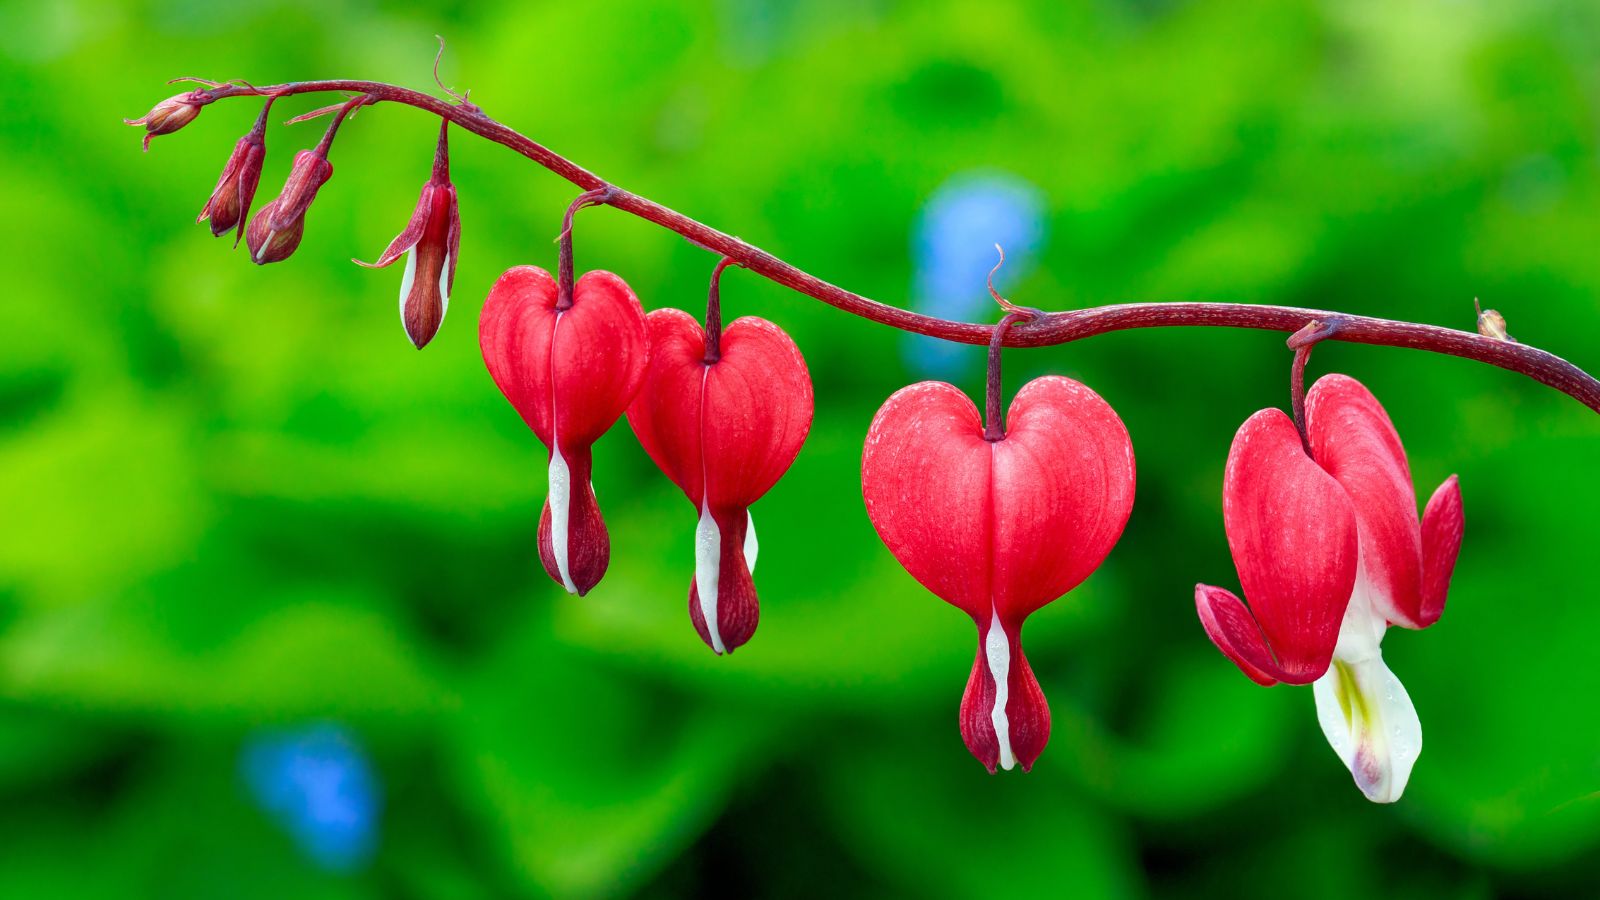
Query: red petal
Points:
[579, 368]
[925, 476]
[1063, 490]
[588, 544]
[1293, 536]
[1235, 632]
[408, 236]
[726, 432]
[1442, 525]
[1026, 714]
[736, 605]
[1353, 439]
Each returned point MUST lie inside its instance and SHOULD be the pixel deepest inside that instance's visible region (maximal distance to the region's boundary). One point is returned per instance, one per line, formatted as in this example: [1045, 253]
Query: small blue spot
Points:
[319, 786]
[954, 250]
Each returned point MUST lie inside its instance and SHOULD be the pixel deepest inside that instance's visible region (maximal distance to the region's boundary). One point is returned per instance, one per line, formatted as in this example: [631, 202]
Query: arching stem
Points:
[564, 272]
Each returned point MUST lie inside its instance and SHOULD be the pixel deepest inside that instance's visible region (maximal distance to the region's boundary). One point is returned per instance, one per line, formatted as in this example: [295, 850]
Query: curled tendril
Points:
[1024, 312]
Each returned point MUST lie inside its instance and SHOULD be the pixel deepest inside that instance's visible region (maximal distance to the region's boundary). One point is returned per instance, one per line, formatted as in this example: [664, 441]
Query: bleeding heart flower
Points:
[999, 527]
[570, 373]
[1330, 552]
[430, 242]
[724, 426]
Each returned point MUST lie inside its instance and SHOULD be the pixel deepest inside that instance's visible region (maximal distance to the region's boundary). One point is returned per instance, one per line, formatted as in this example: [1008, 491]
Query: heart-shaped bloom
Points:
[430, 243]
[724, 430]
[1330, 553]
[570, 373]
[999, 528]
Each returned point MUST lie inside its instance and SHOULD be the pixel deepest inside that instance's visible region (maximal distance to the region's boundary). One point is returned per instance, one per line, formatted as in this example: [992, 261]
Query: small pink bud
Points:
[170, 114]
[429, 242]
[229, 205]
[276, 230]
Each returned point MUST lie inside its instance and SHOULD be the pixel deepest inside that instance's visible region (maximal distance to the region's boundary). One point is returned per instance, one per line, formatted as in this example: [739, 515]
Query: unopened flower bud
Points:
[229, 205]
[276, 230]
[430, 243]
[170, 114]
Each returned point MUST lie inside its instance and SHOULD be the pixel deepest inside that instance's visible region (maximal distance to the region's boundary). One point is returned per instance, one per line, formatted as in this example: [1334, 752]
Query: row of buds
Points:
[722, 412]
[430, 241]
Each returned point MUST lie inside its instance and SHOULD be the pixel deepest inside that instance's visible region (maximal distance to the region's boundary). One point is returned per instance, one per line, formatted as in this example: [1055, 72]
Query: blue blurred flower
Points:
[954, 251]
[320, 787]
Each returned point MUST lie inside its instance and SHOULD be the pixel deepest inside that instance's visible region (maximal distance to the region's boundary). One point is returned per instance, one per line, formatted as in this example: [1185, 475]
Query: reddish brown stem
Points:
[1050, 329]
[1301, 343]
[564, 269]
[994, 415]
[714, 311]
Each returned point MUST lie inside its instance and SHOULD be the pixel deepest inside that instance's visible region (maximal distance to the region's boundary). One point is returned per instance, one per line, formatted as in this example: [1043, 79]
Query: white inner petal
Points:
[998, 649]
[1364, 710]
[405, 286]
[560, 512]
[751, 546]
[265, 244]
[707, 569]
[444, 287]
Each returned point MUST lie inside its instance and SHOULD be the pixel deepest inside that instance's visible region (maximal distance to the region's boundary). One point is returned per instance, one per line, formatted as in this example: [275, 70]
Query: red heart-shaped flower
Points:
[571, 374]
[724, 431]
[999, 528]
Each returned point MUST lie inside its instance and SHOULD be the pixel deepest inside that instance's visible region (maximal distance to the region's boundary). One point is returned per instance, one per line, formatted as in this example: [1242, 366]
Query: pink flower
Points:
[724, 426]
[570, 373]
[999, 528]
[430, 243]
[1330, 553]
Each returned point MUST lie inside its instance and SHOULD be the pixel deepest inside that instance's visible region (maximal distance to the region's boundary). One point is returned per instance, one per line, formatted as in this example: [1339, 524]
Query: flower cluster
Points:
[997, 513]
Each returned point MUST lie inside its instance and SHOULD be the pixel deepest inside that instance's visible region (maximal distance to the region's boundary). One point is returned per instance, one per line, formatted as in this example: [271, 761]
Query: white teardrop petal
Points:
[1370, 722]
[707, 570]
[560, 512]
[998, 649]
[406, 281]
[751, 546]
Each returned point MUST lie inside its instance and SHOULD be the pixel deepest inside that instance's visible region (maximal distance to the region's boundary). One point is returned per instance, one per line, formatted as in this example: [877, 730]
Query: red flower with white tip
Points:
[430, 242]
[723, 416]
[1330, 553]
[999, 521]
[570, 370]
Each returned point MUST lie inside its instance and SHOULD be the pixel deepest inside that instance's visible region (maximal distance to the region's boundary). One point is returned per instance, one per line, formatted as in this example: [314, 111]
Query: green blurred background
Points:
[271, 619]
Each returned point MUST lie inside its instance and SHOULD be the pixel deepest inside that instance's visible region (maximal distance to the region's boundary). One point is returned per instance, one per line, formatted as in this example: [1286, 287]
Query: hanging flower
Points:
[724, 424]
[999, 523]
[430, 243]
[1330, 553]
[570, 372]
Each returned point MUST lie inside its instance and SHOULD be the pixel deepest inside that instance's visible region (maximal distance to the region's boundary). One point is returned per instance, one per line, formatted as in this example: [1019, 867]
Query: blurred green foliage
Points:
[235, 498]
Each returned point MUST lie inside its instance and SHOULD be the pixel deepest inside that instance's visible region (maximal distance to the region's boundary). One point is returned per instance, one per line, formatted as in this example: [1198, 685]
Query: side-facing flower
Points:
[430, 243]
[228, 208]
[998, 523]
[171, 114]
[570, 373]
[724, 426]
[1330, 553]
